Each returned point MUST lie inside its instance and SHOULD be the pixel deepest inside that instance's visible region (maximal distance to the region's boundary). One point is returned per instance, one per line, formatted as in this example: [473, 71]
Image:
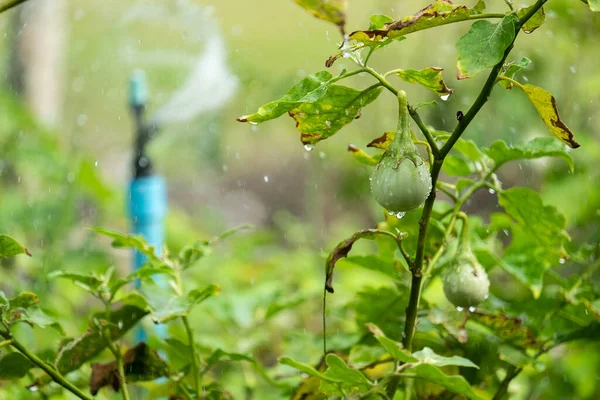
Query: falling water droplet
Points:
[322, 155]
[472, 309]
[492, 191]
[308, 147]
[562, 260]
[96, 163]
[459, 308]
[266, 178]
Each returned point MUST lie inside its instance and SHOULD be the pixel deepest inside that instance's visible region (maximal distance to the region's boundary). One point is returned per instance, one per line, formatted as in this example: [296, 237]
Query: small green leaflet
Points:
[483, 45]
[14, 366]
[511, 69]
[535, 21]
[393, 348]
[431, 373]
[428, 356]
[430, 78]
[10, 247]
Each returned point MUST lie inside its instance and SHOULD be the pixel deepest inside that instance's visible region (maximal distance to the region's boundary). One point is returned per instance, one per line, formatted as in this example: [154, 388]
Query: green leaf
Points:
[14, 366]
[342, 250]
[147, 270]
[594, 5]
[428, 356]
[24, 300]
[378, 21]
[338, 370]
[341, 105]
[479, 7]
[121, 240]
[545, 104]
[535, 21]
[510, 330]
[538, 234]
[374, 262]
[431, 373]
[219, 355]
[75, 352]
[333, 11]
[10, 247]
[393, 348]
[511, 69]
[167, 305]
[483, 45]
[430, 78]
[514, 356]
[4, 303]
[457, 166]
[308, 90]
[87, 282]
[362, 355]
[501, 153]
[441, 12]
[307, 369]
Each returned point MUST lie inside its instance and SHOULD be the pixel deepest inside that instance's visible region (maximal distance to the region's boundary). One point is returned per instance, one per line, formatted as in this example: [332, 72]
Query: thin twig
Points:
[47, 368]
[192, 346]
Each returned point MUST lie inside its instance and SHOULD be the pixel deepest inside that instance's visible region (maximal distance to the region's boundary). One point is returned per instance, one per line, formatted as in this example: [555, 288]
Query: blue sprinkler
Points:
[147, 191]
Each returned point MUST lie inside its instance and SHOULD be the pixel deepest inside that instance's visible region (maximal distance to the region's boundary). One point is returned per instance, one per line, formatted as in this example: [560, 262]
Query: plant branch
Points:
[192, 346]
[503, 388]
[47, 368]
[10, 4]
[428, 136]
[6, 343]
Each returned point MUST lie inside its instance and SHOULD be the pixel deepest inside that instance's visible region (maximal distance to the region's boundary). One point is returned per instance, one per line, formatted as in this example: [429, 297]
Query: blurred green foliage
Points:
[56, 182]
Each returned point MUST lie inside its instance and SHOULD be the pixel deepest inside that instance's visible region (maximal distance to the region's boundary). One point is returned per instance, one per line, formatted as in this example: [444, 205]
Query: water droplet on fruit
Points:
[472, 309]
[459, 309]
[253, 123]
[308, 147]
[492, 191]
[562, 260]
[400, 214]
[445, 96]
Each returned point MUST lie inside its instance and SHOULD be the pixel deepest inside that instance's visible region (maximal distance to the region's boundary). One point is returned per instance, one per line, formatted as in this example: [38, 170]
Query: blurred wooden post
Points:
[36, 70]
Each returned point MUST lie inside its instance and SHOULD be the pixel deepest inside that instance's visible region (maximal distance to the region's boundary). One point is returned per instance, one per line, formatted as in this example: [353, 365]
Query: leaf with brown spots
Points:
[508, 329]
[321, 119]
[441, 12]
[141, 364]
[545, 104]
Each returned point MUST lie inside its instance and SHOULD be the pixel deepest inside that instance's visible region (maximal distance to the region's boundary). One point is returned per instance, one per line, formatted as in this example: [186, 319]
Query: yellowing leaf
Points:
[333, 11]
[363, 157]
[545, 104]
[430, 78]
[384, 141]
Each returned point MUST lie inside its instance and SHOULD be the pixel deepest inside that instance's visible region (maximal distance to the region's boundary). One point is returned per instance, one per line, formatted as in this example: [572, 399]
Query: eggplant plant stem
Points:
[192, 346]
[463, 123]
